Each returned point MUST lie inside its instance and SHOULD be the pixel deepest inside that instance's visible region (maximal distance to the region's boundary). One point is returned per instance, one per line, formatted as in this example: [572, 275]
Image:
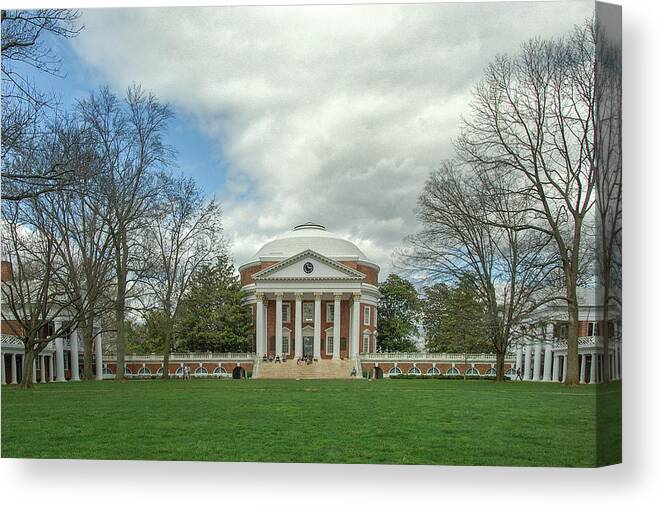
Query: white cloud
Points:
[333, 113]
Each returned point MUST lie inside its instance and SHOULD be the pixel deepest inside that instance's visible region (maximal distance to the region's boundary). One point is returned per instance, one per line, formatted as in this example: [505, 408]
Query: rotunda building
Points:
[311, 294]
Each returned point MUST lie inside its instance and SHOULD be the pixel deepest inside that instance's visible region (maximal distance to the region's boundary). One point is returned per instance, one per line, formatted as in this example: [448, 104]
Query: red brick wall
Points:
[6, 272]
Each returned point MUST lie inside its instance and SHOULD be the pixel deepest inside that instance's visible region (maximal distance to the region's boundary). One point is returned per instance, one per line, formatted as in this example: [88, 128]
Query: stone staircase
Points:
[322, 369]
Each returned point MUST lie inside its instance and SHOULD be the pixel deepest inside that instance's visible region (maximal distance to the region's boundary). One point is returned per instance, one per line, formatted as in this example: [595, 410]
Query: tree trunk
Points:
[500, 366]
[27, 370]
[572, 377]
[167, 344]
[606, 336]
[120, 307]
[87, 331]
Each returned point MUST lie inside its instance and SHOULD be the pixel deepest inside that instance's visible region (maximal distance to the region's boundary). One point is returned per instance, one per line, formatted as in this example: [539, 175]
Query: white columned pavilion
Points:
[594, 367]
[74, 367]
[548, 359]
[336, 324]
[317, 325]
[537, 365]
[42, 358]
[59, 354]
[556, 368]
[98, 355]
[14, 380]
[584, 364]
[298, 326]
[278, 324]
[259, 325]
[527, 361]
[355, 327]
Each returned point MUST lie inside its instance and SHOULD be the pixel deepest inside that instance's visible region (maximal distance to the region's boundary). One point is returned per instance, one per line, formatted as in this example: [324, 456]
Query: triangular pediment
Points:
[308, 265]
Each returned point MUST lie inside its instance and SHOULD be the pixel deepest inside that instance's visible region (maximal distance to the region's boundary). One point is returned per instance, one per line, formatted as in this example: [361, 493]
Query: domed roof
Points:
[309, 236]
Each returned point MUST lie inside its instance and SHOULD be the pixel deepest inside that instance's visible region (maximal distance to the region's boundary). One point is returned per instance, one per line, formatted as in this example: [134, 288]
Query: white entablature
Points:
[308, 265]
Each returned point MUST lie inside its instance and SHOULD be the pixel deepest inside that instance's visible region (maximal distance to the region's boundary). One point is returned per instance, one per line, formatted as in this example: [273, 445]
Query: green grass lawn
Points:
[387, 421]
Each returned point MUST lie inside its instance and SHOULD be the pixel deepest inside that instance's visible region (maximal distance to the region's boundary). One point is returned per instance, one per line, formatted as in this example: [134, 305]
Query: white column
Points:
[355, 327]
[43, 368]
[584, 364]
[98, 356]
[59, 354]
[34, 369]
[51, 368]
[548, 355]
[14, 380]
[594, 368]
[537, 365]
[519, 356]
[259, 325]
[564, 368]
[278, 324]
[317, 325]
[336, 325]
[73, 367]
[298, 326]
[527, 361]
[556, 368]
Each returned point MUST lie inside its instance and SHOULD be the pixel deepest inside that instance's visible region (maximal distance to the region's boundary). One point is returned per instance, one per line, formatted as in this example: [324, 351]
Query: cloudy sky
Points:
[333, 114]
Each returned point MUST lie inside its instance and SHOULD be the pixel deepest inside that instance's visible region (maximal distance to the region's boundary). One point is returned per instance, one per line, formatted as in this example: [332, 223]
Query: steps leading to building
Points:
[322, 369]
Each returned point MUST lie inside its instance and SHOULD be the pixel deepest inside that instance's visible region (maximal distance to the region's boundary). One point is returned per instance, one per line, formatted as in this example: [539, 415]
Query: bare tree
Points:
[509, 269]
[127, 136]
[25, 108]
[533, 114]
[184, 233]
[608, 178]
[35, 294]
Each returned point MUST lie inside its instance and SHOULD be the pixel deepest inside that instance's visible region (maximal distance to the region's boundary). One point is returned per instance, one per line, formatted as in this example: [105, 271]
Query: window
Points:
[219, 371]
[366, 315]
[286, 337]
[159, 371]
[329, 341]
[286, 312]
[395, 370]
[560, 329]
[66, 360]
[127, 371]
[433, 371]
[330, 312]
[308, 312]
[179, 372]
[107, 371]
[144, 371]
[366, 342]
[491, 372]
[452, 371]
[473, 372]
[594, 329]
[511, 373]
[414, 370]
[201, 372]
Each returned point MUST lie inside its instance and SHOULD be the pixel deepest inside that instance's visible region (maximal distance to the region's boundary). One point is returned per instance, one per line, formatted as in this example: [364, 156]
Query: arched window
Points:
[511, 373]
[433, 371]
[491, 372]
[159, 371]
[179, 372]
[452, 371]
[201, 372]
[472, 372]
[107, 371]
[127, 371]
[219, 371]
[395, 370]
[414, 370]
[144, 371]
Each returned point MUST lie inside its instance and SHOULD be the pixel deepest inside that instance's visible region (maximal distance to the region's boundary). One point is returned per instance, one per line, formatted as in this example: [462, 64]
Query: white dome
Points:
[313, 237]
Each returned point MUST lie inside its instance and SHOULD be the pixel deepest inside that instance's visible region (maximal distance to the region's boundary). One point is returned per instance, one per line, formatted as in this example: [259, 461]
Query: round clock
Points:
[308, 267]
